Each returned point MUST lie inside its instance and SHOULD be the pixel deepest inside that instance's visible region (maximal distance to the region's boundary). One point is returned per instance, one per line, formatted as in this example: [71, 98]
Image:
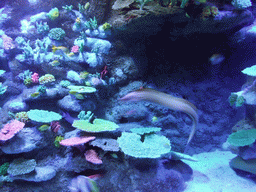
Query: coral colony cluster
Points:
[62, 72]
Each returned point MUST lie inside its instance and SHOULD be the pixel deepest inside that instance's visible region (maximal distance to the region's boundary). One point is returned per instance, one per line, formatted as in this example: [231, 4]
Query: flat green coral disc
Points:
[81, 89]
[153, 145]
[43, 116]
[98, 125]
[251, 71]
[242, 138]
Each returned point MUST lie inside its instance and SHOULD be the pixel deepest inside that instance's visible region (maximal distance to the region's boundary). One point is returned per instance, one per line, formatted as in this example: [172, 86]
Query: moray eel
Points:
[174, 103]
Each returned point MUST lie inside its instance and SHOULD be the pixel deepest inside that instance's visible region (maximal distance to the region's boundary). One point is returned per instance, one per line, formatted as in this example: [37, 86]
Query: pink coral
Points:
[35, 78]
[7, 43]
[76, 141]
[10, 129]
[92, 156]
[75, 49]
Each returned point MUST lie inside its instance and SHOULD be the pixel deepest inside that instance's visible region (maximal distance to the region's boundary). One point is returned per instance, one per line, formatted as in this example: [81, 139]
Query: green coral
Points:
[41, 89]
[183, 3]
[47, 78]
[42, 27]
[43, 116]
[57, 141]
[27, 81]
[82, 8]
[57, 33]
[68, 8]
[25, 75]
[151, 146]
[91, 24]
[21, 166]
[88, 116]
[27, 50]
[242, 138]
[53, 13]
[22, 116]
[81, 89]
[3, 168]
[106, 26]
[98, 125]
[20, 40]
[240, 101]
[65, 83]
[232, 99]
[235, 99]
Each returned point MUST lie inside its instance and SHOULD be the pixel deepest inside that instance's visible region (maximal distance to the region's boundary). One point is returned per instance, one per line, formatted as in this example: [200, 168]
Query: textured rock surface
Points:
[26, 140]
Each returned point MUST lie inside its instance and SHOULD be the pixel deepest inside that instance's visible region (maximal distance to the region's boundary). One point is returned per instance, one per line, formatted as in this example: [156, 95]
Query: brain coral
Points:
[57, 33]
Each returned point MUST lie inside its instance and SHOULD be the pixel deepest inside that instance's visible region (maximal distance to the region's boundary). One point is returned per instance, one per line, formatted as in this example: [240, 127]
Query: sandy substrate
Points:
[213, 174]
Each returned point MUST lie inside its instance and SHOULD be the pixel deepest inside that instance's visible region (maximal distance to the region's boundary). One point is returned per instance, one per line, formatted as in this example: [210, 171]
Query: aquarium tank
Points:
[127, 96]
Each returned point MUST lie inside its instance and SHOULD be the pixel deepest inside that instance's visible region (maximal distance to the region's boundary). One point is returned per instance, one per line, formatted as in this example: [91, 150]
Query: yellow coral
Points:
[53, 13]
[47, 78]
[78, 20]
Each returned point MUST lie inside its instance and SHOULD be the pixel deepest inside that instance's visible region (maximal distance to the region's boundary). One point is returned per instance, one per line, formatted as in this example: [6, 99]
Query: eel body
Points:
[174, 103]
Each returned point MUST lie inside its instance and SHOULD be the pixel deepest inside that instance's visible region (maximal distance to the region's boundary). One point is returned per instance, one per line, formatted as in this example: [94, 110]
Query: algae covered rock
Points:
[21, 166]
[40, 174]
[120, 4]
[244, 165]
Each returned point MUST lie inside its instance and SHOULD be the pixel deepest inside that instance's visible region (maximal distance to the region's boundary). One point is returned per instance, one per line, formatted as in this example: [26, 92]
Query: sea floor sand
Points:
[213, 174]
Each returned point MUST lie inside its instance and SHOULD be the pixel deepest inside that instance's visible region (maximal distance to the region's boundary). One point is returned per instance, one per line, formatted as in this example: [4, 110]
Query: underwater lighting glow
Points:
[33, 2]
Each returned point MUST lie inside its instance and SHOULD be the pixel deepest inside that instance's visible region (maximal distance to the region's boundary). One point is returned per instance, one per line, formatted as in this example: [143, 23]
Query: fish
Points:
[114, 155]
[216, 59]
[154, 119]
[166, 100]
[83, 184]
[84, 74]
[55, 63]
[35, 94]
[73, 92]
[44, 127]
[87, 5]
[76, 94]
[64, 49]
[68, 117]
[71, 54]
[87, 83]
[79, 96]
